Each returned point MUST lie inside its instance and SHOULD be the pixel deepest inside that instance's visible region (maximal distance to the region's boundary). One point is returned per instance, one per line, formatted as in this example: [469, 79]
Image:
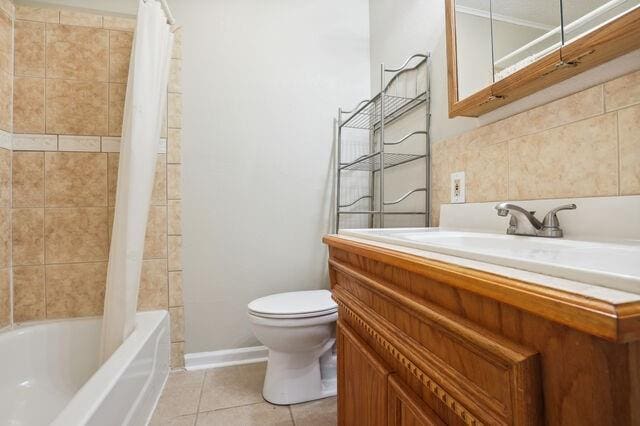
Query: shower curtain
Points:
[146, 95]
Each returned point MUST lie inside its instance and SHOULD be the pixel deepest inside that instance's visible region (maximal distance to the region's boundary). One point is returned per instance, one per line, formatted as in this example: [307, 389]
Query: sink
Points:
[613, 264]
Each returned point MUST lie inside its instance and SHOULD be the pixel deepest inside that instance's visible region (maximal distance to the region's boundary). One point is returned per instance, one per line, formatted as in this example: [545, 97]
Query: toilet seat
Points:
[294, 305]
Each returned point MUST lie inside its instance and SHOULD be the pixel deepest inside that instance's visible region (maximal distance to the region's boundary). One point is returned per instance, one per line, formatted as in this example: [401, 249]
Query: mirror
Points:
[583, 16]
[501, 50]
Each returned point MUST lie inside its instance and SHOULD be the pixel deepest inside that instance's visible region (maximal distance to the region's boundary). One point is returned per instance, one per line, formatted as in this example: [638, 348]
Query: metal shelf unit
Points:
[372, 115]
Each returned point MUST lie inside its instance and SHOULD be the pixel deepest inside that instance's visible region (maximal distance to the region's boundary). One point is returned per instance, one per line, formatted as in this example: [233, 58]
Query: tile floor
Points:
[232, 396]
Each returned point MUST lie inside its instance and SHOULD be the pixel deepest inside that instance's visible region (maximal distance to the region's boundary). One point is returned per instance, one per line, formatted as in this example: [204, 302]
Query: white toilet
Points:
[299, 330]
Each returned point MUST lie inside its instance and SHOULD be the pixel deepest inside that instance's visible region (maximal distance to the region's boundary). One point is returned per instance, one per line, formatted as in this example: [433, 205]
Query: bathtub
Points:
[49, 373]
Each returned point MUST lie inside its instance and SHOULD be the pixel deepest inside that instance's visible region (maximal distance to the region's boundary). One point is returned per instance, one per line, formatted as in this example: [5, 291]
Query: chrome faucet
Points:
[523, 222]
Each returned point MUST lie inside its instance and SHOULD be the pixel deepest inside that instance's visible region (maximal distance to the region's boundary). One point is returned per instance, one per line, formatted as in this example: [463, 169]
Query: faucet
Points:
[523, 222]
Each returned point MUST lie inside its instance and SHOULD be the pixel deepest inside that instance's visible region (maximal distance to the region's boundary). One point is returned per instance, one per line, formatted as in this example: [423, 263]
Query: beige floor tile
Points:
[189, 420]
[262, 414]
[323, 412]
[232, 386]
[180, 397]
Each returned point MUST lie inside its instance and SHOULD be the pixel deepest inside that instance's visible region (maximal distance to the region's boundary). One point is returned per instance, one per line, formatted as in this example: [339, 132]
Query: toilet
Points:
[298, 328]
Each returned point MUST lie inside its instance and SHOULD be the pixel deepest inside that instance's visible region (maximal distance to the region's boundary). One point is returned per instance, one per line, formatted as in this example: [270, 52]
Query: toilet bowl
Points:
[298, 328]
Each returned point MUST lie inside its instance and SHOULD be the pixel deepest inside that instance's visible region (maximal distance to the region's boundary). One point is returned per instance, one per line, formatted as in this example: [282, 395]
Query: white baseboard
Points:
[225, 358]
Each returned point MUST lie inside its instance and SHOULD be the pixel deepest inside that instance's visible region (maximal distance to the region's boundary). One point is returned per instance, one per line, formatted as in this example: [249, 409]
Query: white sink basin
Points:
[608, 264]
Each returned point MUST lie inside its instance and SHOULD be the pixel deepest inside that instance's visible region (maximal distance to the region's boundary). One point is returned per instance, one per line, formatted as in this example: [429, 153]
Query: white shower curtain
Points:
[146, 95]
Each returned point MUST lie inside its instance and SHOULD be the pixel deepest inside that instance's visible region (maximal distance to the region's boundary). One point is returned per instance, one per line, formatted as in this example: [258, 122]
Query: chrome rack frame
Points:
[373, 115]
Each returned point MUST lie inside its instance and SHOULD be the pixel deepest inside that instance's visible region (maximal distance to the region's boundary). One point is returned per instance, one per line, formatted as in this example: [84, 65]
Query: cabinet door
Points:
[406, 409]
[362, 382]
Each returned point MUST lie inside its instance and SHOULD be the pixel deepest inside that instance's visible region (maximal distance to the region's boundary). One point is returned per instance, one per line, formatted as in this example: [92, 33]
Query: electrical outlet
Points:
[457, 187]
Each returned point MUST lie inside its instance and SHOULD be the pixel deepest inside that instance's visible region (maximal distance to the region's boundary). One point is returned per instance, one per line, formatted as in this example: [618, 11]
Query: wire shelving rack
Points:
[372, 115]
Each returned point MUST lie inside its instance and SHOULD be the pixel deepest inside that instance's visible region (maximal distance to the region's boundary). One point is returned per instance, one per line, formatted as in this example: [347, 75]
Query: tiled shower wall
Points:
[6, 88]
[583, 145]
[70, 81]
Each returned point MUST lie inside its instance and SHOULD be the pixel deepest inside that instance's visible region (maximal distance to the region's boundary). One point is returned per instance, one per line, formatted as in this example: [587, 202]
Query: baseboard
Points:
[225, 358]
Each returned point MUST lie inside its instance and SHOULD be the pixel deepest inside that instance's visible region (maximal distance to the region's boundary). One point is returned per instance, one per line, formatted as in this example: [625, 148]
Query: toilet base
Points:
[292, 378]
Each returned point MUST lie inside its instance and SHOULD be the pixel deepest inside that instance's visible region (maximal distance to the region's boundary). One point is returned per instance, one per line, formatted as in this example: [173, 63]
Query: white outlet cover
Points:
[458, 186]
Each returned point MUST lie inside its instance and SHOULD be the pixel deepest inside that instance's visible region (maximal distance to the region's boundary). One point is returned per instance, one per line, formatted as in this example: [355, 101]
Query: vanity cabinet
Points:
[422, 342]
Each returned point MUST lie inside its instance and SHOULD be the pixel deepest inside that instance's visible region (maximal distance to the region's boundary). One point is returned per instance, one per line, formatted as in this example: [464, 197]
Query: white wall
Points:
[262, 82]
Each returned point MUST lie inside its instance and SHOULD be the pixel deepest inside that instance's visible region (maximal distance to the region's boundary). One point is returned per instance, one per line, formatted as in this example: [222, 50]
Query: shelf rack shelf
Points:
[372, 115]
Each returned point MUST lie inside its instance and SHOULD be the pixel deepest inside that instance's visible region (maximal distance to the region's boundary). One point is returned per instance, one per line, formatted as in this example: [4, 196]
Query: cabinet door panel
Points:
[362, 382]
[406, 409]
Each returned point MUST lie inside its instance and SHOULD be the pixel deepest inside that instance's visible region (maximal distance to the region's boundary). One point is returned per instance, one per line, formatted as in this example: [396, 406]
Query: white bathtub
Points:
[49, 373]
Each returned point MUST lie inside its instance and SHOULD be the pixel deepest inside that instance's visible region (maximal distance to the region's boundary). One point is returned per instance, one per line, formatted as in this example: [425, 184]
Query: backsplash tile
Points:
[623, 91]
[629, 131]
[568, 148]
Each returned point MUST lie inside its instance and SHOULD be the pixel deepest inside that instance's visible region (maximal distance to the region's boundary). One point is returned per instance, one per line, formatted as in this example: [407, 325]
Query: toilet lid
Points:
[296, 304]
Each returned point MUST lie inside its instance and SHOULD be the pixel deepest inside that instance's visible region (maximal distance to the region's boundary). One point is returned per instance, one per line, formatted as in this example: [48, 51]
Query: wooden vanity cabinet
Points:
[428, 343]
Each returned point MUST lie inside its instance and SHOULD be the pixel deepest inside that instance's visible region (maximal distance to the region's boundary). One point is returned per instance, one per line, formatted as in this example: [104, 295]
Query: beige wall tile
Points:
[118, 23]
[177, 324]
[174, 146]
[75, 179]
[29, 48]
[177, 44]
[8, 7]
[175, 73]
[623, 91]
[117, 94]
[153, 293]
[110, 144]
[28, 236]
[155, 240]
[5, 298]
[79, 143]
[177, 355]
[576, 107]
[28, 179]
[119, 55]
[35, 142]
[5, 237]
[175, 253]
[75, 290]
[28, 105]
[39, 14]
[28, 293]
[6, 139]
[159, 195]
[6, 101]
[629, 134]
[174, 116]
[174, 181]
[577, 160]
[487, 173]
[72, 17]
[112, 177]
[175, 217]
[175, 289]
[6, 43]
[5, 177]
[77, 53]
[76, 235]
[76, 107]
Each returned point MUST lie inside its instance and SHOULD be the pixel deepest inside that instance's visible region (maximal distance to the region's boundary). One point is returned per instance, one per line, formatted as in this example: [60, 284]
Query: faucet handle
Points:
[551, 220]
